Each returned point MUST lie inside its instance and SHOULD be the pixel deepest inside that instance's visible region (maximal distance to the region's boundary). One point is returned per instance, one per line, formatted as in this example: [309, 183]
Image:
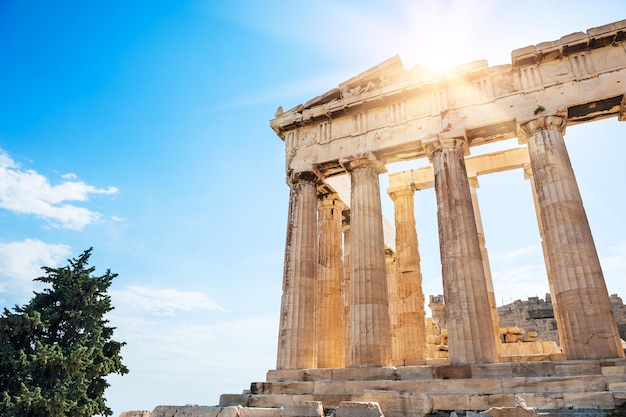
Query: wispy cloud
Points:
[28, 192]
[160, 301]
[21, 262]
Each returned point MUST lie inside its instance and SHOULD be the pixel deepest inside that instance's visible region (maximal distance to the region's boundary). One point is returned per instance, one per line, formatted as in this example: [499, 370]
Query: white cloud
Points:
[28, 192]
[21, 262]
[165, 301]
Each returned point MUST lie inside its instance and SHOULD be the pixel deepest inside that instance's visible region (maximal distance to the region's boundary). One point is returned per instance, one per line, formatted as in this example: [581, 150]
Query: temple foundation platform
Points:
[544, 385]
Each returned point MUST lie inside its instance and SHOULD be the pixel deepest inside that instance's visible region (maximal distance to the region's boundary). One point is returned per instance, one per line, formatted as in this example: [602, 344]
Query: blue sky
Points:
[141, 128]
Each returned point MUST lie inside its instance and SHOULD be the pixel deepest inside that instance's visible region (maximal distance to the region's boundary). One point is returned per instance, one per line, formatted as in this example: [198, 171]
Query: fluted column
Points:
[587, 324]
[392, 296]
[330, 309]
[473, 183]
[528, 174]
[296, 338]
[471, 336]
[410, 329]
[370, 336]
[347, 267]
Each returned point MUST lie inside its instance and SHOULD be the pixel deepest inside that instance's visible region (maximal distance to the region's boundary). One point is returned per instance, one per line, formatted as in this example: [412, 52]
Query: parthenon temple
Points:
[352, 321]
[341, 306]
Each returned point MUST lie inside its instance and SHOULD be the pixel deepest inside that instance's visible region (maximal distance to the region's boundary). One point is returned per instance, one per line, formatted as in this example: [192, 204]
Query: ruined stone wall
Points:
[532, 315]
[619, 309]
[537, 315]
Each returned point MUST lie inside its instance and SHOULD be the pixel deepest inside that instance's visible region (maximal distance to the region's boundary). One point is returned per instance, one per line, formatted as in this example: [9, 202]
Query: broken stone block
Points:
[357, 409]
[304, 409]
[399, 404]
[511, 412]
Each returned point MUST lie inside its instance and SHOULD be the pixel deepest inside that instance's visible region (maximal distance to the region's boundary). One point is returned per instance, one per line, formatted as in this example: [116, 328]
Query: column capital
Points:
[331, 200]
[309, 176]
[350, 163]
[397, 192]
[529, 128]
[435, 146]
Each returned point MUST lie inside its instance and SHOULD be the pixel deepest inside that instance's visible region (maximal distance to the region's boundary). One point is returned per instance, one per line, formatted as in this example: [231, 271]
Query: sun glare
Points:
[437, 36]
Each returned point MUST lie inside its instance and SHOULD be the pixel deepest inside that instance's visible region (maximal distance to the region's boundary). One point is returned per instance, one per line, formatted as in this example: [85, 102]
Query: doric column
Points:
[473, 183]
[296, 338]
[370, 336]
[330, 309]
[588, 327]
[392, 296]
[471, 336]
[410, 330]
[528, 174]
[347, 267]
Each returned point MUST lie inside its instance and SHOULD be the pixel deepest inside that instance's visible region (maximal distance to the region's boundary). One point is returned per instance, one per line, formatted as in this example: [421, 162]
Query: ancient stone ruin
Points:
[354, 339]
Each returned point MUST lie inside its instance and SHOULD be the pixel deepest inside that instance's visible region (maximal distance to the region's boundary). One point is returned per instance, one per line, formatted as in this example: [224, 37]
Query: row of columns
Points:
[313, 305]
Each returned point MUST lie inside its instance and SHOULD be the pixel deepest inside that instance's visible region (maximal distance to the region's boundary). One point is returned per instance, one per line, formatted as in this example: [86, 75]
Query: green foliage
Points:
[56, 351]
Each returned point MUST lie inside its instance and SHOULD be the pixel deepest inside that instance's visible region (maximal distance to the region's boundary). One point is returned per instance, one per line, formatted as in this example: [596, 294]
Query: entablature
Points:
[394, 113]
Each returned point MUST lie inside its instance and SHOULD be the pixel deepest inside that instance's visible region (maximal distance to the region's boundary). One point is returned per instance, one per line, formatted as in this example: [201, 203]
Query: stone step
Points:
[491, 370]
[444, 402]
[583, 383]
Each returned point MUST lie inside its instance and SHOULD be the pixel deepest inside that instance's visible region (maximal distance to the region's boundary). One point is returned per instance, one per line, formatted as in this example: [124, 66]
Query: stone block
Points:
[357, 409]
[303, 409]
[283, 375]
[452, 371]
[573, 368]
[555, 384]
[258, 412]
[269, 400]
[617, 386]
[438, 361]
[511, 412]
[193, 411]
[299, 387]
[449, 402]
[613, 370]
[492, 370]
[399, 404]
[613, 362]
[414, 372]
[483, 402]
[599, 400]
[322, 374]
[363, 374]
[234, 399]
[544, 401]
[620, 398]
[533, 369]
[135, 413]
[332, 401]
[335, 387]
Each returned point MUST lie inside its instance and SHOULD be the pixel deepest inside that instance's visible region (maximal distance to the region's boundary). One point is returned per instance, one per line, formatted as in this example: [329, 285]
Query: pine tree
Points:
[56, 351]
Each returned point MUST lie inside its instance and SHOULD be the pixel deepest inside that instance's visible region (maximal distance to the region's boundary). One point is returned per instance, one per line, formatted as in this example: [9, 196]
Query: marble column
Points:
[410, 329]
[392, 296]
[528, 174]
[296, 338]
[330, 309]
[471, 336]
[347, 267]
[473, 183]
[370, 336]
[586, 320]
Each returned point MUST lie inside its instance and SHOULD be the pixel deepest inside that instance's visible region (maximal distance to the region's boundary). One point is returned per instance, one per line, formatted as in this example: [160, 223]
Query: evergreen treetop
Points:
[56, 350]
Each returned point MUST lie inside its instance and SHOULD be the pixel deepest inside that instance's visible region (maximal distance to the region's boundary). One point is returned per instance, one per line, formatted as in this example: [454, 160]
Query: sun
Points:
[440, 35]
